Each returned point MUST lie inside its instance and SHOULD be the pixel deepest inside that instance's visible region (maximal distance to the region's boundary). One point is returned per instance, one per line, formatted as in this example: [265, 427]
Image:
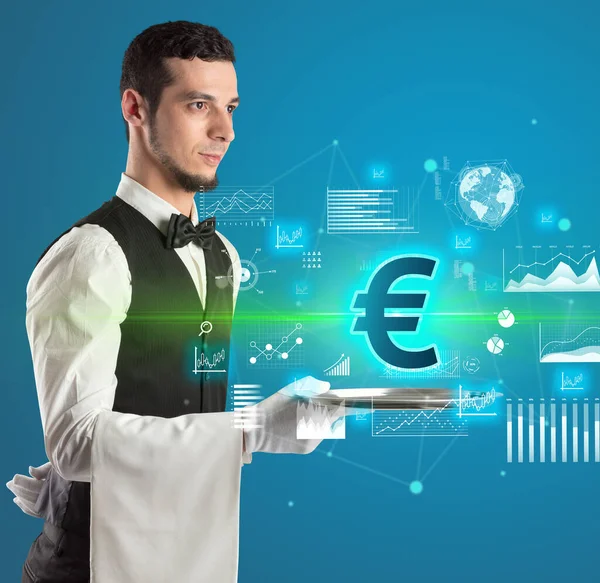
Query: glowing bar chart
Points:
[340, 368]
[563, 426]
[542, 431]
[520, 430]
[359, 211]
[586, 433]
[509, 431]
[245, 395]
[531, 430]
[569, 421]
[553, 431]
[575, 435]
[597, 430]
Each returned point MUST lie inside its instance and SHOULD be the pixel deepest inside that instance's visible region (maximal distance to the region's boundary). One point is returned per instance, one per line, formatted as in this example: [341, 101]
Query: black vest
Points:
[162, 356]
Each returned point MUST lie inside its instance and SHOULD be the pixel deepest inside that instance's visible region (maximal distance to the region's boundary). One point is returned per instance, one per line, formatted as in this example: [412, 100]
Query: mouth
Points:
[212, 159]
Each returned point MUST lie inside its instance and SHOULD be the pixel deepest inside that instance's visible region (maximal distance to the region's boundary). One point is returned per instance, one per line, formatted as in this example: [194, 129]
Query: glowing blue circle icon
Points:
[564, 224]
[416, 487]
[467, 268]
[430, 165]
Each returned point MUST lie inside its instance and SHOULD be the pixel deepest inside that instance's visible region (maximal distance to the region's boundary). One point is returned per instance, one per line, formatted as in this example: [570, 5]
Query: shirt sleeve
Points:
[77, 297]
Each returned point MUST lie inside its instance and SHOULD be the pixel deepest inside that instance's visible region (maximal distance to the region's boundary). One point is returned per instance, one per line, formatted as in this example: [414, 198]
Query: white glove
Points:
[28, 489]
[270, 425]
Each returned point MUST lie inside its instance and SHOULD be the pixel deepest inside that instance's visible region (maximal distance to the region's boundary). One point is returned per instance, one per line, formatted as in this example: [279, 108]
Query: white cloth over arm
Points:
[165, 499]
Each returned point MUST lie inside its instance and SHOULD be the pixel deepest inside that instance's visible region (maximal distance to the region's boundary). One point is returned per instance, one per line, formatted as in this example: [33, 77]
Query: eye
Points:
[201, 102]
[233, 107]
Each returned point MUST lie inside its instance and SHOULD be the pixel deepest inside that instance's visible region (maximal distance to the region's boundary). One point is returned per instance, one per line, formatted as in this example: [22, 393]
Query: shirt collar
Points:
[156, 209]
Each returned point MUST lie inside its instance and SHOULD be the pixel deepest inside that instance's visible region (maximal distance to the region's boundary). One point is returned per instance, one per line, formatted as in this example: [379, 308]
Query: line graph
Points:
[567, 257]
[571, 383]
[447, 368]
[442, 422]
[269, 348]
[284, 239]
[203, 363]
[447, 421]
[233, 205]
[560, 273]
[468, 402]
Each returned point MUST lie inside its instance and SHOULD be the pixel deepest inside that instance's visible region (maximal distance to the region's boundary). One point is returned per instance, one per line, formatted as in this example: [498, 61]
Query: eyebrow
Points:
[189, 95]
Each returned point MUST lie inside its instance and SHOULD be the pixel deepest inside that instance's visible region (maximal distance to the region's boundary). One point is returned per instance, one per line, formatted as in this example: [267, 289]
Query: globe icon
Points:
[486, 195]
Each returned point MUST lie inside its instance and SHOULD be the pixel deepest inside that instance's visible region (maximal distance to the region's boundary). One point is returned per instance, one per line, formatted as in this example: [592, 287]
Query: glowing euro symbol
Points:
[377, 325]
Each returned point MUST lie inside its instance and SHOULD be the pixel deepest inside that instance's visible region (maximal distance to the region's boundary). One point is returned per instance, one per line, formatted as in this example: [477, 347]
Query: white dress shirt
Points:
[77, 297]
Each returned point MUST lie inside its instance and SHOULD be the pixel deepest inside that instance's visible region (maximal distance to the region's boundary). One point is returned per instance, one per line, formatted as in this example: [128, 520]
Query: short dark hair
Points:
[144, 68]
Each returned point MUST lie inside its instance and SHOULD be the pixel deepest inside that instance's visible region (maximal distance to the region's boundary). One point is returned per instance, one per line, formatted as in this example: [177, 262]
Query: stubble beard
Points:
[189, 182]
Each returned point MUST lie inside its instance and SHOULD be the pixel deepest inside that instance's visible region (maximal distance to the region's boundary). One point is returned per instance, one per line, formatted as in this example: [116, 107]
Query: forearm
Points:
[68, 446]
[70, 449]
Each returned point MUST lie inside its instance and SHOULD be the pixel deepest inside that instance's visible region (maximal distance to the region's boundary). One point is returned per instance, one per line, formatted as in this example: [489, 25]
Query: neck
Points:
[152, 176]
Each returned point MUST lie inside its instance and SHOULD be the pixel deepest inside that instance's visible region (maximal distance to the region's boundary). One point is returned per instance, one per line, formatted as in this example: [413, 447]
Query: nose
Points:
[221, 127]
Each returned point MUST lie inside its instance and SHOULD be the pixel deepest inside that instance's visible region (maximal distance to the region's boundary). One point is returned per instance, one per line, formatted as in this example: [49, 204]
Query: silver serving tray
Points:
[392, 398]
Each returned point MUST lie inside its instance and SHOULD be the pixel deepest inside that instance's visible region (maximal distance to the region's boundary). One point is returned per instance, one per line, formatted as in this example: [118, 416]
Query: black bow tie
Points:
[181, 231]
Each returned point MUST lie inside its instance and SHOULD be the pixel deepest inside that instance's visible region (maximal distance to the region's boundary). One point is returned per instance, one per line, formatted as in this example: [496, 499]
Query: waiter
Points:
[144, 474]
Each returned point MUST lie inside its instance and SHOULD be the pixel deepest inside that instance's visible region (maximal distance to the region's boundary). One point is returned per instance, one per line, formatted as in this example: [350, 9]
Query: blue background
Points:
[396, 85]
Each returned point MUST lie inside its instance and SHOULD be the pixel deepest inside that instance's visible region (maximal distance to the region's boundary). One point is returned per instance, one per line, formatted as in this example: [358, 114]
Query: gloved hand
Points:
[28, 489]
[270, 425]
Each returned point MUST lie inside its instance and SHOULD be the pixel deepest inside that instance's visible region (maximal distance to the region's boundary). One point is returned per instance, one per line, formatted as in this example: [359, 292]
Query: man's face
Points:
[193, 120]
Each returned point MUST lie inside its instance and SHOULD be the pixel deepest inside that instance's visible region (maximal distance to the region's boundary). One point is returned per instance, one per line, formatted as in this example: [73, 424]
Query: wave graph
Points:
[315, 421]
[569, 343]
[560, 273]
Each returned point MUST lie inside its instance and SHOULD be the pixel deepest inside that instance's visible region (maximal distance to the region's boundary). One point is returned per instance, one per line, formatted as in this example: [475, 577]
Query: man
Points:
[144, 473]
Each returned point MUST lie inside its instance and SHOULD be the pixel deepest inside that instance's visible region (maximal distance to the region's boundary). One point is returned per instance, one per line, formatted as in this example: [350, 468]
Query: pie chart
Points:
[506, 318]
[495, 344]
